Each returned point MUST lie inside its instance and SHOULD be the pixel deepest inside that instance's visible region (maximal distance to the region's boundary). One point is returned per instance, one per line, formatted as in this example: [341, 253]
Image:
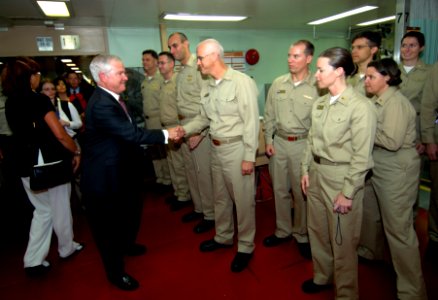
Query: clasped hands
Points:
[176, 133]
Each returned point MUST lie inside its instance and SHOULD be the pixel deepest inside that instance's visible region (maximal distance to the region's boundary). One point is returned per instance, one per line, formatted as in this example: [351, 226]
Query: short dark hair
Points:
[309, 48]
[151, 52]
[374, 38]
[388, 67]
[181, 35]
[168, 54]
[339, 58]
[415, 34]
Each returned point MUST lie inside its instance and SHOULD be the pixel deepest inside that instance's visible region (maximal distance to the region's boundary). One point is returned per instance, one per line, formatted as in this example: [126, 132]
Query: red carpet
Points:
[174, 268]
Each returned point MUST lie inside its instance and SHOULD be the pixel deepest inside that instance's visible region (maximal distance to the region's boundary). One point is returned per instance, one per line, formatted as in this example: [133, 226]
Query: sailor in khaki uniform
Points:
[169, 119]
[429, 135]
[334, 166]
[230, 108]
[198, 157]
[396, 174]
[414, 73]
[364, 49]
[150, 89]
[286, 122]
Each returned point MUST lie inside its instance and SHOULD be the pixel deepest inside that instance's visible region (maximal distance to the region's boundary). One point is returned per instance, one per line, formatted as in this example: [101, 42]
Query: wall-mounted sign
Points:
[69, 42]
[44, 43]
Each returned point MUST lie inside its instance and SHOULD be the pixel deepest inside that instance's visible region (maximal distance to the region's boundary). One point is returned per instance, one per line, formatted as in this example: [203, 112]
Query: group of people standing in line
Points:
[344, 143]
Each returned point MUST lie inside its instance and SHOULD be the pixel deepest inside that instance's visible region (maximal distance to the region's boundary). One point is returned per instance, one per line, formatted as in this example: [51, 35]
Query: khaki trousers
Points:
[175, 160]
[372, 237]
[231, 188]
[286, 175]
[333, 237]
[395, 179]
[197, 164]
[161, 166]
[433, 206]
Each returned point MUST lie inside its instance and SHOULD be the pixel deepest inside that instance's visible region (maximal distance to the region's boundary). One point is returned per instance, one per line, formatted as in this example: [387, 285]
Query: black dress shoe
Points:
[309, 287]
[38, 271]
[211, 245]
[304, 249]
[124, 282]
[78, 250]
[203, 226]
[273, 240]
[192, 216]
[136, 250]
[177, 205]
[240, 261]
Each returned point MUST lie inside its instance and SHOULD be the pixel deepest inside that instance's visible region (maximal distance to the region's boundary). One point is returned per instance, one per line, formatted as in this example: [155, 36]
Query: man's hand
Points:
[269, 149]
[247, 167]
[194, 141]
[176, 133]
[305, 184]
[432, 150]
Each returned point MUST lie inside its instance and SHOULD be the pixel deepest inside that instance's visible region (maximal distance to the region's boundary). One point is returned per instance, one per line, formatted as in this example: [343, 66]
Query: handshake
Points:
[176, 133]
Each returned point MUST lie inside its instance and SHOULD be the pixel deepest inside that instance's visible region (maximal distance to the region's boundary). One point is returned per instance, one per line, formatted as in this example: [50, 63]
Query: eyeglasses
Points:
[201, 58]
[410, 46]
[359, 47]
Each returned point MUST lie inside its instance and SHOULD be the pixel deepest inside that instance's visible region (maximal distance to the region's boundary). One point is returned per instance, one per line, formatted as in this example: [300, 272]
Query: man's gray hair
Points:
[102, 63]
[217, 47]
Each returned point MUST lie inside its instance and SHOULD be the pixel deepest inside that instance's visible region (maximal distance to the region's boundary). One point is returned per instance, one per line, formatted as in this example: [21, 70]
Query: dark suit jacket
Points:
[111, 152]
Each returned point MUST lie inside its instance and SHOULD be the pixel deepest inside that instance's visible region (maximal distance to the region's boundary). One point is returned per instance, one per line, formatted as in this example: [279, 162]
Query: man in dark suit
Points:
[111, 173]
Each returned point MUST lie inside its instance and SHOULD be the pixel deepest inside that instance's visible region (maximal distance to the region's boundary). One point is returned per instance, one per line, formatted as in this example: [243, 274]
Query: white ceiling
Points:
[263, 14]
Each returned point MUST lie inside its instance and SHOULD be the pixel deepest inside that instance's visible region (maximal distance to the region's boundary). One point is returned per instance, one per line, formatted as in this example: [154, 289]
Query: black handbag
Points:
[51, 174]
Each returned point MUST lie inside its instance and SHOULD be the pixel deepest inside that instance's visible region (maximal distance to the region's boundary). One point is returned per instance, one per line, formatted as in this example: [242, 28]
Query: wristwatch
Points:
[77, 153]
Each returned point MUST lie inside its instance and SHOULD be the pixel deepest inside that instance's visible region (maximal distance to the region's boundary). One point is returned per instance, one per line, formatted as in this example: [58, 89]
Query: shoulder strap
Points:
[66, 109]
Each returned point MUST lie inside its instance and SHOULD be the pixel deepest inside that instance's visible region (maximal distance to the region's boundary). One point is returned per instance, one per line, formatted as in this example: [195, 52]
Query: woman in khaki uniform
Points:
[334, 166]
[396, 174]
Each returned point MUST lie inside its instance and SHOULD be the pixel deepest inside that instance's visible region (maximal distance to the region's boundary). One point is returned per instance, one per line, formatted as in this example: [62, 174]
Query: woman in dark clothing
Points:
[33, 121]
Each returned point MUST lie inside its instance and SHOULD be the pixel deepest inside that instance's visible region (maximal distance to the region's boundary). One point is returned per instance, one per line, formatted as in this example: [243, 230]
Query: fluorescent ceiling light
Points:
[66, 60]
[54, 8]
[190, 17]
[343, 15]
[376, 21]
[70, 65]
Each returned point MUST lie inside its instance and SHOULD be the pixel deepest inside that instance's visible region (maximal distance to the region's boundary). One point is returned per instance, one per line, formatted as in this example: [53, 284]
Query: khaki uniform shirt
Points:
[413, 83]
[167, 96]
[343, 132]
[150, 89]
[231, 109]
[189, 83]
[429, 108]
[395, 121]
[358, 83]
[288, 107]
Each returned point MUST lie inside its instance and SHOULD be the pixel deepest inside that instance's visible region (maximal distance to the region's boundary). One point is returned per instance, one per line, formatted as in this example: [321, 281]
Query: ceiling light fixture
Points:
[54, 8]
[66, 60]
[377, 21]
[190, 17]
[343, 15]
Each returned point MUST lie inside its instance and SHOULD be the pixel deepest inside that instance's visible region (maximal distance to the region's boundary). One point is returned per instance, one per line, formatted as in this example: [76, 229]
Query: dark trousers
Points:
[114, 222]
